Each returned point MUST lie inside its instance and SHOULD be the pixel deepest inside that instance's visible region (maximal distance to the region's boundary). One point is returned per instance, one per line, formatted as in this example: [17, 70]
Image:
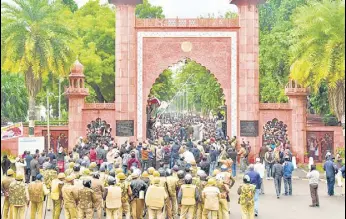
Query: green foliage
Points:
[318, 54]
[164, 88]
[275, 41]
[14, 98]
[146, 10]
[95, 25]
[71, 4]
[35, 41]
[51, 123]
[204, 93]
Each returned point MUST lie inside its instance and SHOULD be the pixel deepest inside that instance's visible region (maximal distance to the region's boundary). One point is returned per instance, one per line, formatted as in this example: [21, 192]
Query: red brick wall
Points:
[12, 144]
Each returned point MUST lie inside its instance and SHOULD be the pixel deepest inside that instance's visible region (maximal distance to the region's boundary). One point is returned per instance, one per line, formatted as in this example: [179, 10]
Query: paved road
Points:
[294, 207]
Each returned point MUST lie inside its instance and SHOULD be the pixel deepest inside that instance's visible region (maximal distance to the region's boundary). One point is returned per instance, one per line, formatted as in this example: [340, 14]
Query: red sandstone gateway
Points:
[228, 48]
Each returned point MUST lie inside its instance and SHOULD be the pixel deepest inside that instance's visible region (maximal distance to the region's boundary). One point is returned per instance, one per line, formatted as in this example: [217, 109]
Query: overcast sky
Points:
[188, 8]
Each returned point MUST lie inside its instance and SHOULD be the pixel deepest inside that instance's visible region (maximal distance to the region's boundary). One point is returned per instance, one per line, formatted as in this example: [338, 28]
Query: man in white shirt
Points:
[314, 177]
[259, 168]
[189, 158]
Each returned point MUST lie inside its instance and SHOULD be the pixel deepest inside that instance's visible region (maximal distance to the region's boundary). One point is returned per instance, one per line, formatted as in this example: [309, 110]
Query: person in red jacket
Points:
[92, 154]
[133, 161]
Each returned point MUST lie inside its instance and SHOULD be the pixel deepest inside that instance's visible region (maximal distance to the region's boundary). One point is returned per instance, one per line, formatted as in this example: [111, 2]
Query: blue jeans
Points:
[125, 169]
[288, 185]
[234, 169]
[269, 168]
[330, 183]
[257, 194]
[212, 167]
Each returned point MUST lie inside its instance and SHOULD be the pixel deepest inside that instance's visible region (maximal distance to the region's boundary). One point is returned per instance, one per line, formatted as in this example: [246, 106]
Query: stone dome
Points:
[77, 68]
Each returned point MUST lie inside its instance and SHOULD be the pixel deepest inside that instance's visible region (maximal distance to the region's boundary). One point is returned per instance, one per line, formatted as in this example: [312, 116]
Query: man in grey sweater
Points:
[277, 175]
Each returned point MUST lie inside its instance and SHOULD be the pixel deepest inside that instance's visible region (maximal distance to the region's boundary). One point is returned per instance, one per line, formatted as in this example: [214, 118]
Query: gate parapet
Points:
[188, 23]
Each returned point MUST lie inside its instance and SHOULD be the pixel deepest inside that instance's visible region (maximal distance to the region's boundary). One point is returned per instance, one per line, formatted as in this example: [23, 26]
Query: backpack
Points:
[247, 196]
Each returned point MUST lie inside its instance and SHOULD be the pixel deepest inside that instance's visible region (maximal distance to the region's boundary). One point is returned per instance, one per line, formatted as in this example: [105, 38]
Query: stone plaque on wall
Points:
[248, 128]
[125, 128]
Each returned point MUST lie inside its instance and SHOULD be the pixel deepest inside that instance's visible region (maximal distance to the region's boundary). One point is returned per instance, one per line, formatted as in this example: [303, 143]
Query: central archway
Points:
[217, 51]
[186, 93]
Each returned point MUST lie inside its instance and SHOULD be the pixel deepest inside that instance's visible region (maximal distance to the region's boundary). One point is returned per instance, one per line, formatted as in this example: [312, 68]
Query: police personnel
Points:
[155, 199]
[5, 186]
[86, 199]
[49, 174]
[211, 198]
[112, 196]
[126, 194]
[172, 184]
[56, 195]
[188, 197]
[70, 194]
[37, 190]
[18, 197]
[98, 188]
[137, 186]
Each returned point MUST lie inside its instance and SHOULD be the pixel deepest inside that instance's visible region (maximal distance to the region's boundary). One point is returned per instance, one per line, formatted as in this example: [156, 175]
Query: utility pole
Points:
[48, 115]
[59, 103]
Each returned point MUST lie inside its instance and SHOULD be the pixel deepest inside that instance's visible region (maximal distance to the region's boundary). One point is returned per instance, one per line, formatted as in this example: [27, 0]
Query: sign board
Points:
[248, 128]
[30, 144]
[12, 131]
[125, 128]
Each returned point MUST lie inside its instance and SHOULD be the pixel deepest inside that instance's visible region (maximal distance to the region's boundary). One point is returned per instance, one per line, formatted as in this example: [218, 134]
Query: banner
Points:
[30, 144]
[12, 131]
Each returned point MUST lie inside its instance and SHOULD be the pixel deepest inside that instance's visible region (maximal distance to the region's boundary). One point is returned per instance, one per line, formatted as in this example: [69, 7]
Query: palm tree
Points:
[318, 54]
[34, 42]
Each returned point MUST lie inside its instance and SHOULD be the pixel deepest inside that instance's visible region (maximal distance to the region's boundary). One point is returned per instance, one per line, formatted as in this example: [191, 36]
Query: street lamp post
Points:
[48, 115]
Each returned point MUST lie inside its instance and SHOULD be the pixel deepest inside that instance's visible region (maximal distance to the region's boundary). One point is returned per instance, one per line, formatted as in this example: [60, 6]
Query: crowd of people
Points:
[169, 177]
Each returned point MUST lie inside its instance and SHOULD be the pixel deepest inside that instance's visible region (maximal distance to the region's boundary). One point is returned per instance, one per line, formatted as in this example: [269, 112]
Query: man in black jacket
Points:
[137, 186]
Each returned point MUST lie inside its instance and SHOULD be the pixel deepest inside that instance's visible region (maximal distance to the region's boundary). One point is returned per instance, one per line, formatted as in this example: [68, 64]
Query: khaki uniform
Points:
[69, 171]
[179, 184]
[210, 197]
[5, 185]
[48, 176]
[247, 201]
[70, 195]
[155, 201]
[18, 198]
[223, 209]
[126, 193]
[172, 185]
[188, 201]
[37, 190]
[86, 200]
[56, 195]
[168, 206]
[200, 205]
[97, 186]
[198, 209]
[113, 202]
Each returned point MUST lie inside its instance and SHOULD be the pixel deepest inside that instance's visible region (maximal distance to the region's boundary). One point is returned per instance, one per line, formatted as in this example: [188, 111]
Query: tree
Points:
[14, 98]
[35, 41]
[164, 88]
[71, 4]
[95, 46]
[318, 53]
[146, 10]
[275, 41]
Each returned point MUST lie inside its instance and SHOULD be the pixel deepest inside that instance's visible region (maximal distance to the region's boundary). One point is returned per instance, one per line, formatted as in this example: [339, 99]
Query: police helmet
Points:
[181, 174]
[162, 172]
[76, 168]
[168, 172]
[111, 180]
[96, 175]
[87, 183]
[188, 179]
[246, 179]
[112, 173]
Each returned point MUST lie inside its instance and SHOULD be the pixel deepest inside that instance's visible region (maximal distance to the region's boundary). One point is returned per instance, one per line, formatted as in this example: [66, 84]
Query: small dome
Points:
[77, 68]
